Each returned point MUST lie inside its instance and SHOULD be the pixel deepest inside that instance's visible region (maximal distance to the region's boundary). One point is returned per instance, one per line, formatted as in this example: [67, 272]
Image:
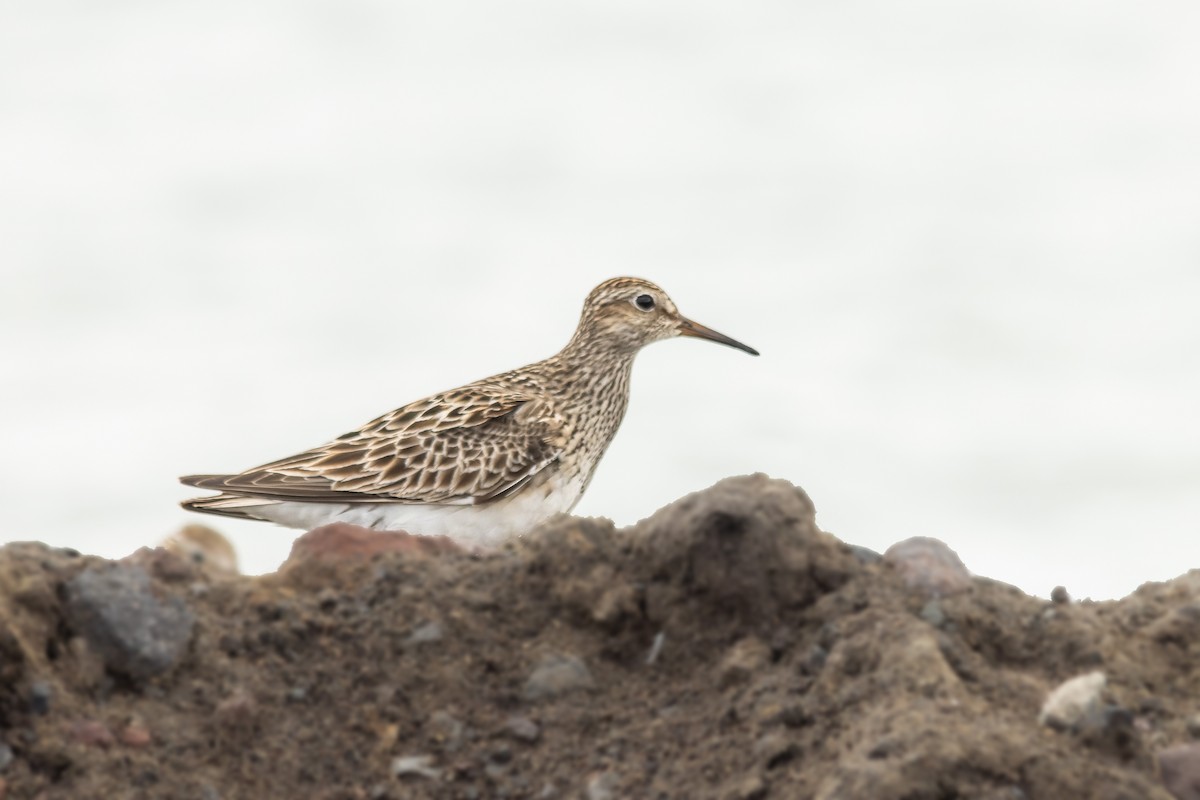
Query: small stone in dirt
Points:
[1059, 596]
[865, 555]
[90, 732]
[6, 756]
[1180, 766]
[929, 565]
[297, 694]
[426, 634]
[656, 647]
[445, 729]
[751, 788]
[742, 661]
[602, 786]
[523, 729]
[1193, 727]
[40, 695]
[775, 749]
[814, 660]
[237, 710]
[557, 675]
[134, 631]
[933, 614]
[419, 766]
[135, 734]
[1073, 701]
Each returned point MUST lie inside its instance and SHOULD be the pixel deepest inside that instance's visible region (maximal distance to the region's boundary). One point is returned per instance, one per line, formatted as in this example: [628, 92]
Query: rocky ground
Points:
[723, 648]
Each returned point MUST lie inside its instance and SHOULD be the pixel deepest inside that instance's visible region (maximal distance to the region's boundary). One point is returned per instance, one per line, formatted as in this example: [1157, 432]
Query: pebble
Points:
[865, 555]
[445, 729]
[426, 634]
[751, 788]
[1193, 727]
[1180, 768]
[3, 788]
[134, 631]
[1073, 701]
[237, 710]
[933, 614]
[775, 749]
[523, 729]
[40, 695]
[420, 766]
[1059, 596]
[91, 733]
[135, 734]
[602, 786]
[743, 661]
[929, 565]
[557, 675]
[6, 756]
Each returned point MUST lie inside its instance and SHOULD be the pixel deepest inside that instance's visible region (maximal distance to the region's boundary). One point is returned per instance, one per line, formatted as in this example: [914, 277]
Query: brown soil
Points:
[724, 648]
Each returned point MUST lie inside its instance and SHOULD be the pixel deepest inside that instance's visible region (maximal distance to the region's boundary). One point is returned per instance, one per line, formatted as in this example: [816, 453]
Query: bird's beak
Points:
[689, 328]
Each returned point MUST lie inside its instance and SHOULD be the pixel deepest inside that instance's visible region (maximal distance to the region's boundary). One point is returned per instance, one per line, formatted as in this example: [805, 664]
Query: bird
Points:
[482, 463]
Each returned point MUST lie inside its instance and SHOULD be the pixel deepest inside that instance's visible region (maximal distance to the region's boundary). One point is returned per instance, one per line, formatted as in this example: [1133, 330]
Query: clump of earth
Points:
[723, 648]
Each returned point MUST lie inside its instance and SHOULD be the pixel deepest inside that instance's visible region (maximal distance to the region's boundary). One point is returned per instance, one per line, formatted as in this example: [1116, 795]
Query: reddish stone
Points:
[1180, 767]
[930, 565]
[343, 542]
[91, 733]
[135, 735]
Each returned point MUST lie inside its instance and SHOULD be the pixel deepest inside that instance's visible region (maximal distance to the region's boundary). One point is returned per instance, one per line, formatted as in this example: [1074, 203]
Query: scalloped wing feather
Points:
[472, 445]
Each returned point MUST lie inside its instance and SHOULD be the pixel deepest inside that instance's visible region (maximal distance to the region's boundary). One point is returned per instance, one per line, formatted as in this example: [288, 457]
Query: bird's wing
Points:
[471, 445]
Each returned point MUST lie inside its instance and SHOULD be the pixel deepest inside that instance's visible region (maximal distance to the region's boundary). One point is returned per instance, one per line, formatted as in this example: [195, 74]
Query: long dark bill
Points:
[689, 328]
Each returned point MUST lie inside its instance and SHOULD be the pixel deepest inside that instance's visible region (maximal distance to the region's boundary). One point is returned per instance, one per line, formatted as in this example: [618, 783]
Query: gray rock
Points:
[1073, 701]
[428, 633]
[557, 675]
[420, 766]
[602, 786]
[445, 729]
[136, 632]
[933, 614]
[523, 729]
[40, 695]
[1180, 766]
[929, 565]
[1193, 726]
[6, 756]
[1059, 596]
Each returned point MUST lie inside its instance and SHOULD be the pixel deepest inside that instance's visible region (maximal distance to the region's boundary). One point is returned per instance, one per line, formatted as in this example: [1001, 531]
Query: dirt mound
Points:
[723, 648]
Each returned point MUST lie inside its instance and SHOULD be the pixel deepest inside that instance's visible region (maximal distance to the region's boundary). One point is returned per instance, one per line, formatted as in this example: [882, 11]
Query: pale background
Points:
[965, 237]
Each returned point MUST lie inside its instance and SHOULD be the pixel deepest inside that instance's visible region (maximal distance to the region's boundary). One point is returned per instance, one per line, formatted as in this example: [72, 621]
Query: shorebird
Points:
[481, 463]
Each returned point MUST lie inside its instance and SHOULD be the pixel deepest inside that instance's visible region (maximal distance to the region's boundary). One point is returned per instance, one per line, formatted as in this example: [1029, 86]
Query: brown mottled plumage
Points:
[482, 462]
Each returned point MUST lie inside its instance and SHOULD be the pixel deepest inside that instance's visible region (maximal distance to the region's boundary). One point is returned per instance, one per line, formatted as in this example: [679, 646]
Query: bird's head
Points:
[626, 314]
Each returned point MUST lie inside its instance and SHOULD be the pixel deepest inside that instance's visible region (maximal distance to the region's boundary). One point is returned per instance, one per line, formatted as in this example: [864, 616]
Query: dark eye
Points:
[644, 301]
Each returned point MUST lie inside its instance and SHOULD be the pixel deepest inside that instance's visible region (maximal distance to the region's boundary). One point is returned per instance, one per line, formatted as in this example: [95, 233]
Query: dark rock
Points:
[556, 675]
[748, 546]
[1180, 766]
[1059, 596]
[136, 632]
[40, 697]
[1193, 726]
[929, 565]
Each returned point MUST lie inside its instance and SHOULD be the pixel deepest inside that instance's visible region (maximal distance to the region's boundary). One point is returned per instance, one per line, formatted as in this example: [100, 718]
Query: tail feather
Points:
[228, 505]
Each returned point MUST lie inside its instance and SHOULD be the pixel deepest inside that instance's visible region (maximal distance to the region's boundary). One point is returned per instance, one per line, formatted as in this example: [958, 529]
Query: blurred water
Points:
[963, 236]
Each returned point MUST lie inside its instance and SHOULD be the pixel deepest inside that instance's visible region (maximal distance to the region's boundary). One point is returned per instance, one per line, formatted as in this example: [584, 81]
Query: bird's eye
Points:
[644, 301]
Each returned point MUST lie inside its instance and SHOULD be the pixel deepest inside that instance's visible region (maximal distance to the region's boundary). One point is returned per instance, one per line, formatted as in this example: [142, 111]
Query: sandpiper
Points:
[481, 463]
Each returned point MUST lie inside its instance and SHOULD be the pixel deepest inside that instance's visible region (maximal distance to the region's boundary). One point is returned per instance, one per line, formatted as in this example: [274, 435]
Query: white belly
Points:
[472, 526]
